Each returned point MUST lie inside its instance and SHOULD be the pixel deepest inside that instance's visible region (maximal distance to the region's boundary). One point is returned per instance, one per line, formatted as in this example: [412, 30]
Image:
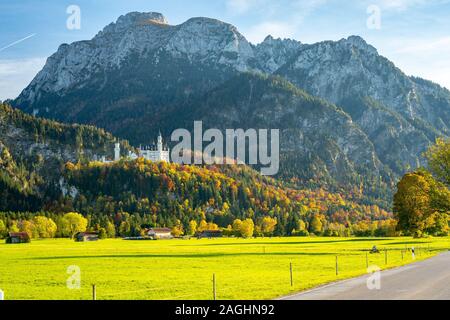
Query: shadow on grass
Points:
[410, 242]
[183, 256]
[286, 242]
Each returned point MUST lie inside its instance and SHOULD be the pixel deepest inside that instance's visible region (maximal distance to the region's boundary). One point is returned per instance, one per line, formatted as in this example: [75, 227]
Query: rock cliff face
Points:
[145, 36]
[141, 74]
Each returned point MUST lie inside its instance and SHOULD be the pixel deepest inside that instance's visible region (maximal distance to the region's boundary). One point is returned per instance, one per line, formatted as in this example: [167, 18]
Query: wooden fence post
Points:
[292, 279]
[337, 267]
[94, 292]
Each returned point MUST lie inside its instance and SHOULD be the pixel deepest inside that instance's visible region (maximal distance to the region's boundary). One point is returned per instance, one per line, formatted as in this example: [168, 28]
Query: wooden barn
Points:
[159, 233]
[18, 237]
[86, 236]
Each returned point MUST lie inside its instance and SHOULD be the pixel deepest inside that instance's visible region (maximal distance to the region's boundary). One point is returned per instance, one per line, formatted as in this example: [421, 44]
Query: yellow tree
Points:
[203, 226]
[28, 227]
[2, 229]
[438, 157]
[316, 225]
[237, 227]
[247, 228]
[412, 203]
[44, 227]
[72, 223]
[192, 227]
[268, 225]
[177, 231]
[301, 225]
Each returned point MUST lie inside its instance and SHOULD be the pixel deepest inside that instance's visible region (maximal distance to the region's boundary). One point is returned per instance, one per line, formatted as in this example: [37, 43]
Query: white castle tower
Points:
[160, 142]
[156, 153]
[117, 152]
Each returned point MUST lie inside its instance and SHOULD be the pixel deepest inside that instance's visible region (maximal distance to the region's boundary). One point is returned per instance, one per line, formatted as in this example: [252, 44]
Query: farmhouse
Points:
[86, 236]
[210, 234]
[159, 233]
[18, 237]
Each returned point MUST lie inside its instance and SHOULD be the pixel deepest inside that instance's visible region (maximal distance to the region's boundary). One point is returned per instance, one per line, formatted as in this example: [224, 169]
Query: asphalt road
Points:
[424, 280]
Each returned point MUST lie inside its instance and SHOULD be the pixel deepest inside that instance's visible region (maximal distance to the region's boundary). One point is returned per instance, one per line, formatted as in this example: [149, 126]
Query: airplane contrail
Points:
[17, 42]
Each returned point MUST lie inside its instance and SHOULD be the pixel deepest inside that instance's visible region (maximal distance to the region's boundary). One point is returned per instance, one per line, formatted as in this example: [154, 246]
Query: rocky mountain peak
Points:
[134, 19]
[360, 43]
[273, 53]
[268, 39]
[211, 40]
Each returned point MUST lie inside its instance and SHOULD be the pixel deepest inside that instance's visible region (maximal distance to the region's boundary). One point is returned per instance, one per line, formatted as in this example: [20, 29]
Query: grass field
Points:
[182, 269]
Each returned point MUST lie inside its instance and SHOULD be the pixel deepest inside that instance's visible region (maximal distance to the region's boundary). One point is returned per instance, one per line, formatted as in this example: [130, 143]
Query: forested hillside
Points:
[172, 195]
[17, 185]
[33, 152]
[46, 168]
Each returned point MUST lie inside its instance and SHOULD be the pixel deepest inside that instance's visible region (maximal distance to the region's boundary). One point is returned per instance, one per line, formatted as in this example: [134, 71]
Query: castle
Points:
[155, 153]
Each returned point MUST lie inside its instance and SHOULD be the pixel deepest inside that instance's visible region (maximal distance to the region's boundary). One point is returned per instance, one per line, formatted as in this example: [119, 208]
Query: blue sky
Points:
[414, 34]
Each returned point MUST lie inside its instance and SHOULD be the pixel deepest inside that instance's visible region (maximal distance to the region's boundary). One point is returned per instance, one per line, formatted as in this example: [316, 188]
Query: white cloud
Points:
[16, 74]
[281, 19]
[258, 33]
[417, 46]
[402, 5]
[423, 57]
[241, 6]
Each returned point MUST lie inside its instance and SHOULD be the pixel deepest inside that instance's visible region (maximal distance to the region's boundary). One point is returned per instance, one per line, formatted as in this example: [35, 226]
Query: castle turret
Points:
[117, 152]
[160, 142]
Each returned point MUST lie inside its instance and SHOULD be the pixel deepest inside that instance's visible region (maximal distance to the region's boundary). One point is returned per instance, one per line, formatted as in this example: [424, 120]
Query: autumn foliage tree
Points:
[438, 157]
[73, 223]
[44, 227]
[247, 228]
[316, 225]
[421, 204]
[268, 225]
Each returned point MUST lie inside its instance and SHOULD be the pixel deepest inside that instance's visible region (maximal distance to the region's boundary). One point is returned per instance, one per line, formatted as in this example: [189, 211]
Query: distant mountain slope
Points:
[320, 144]
[141, 74]
[401, 115]
[352, 68]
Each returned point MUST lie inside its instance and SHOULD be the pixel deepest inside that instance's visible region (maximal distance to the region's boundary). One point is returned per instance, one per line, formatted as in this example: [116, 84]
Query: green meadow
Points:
[183, 269]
